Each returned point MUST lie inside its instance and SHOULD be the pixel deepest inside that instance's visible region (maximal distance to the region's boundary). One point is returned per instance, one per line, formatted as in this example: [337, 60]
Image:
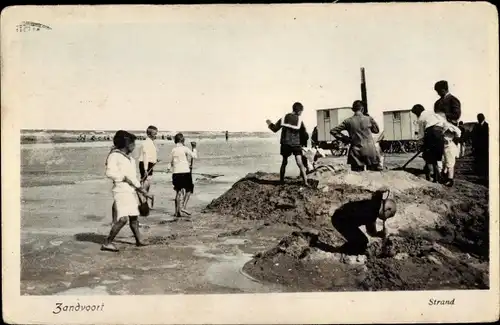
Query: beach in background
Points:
[29, 136]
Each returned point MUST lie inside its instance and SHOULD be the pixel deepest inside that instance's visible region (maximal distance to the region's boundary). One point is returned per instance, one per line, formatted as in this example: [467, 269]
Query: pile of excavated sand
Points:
[259, 197]
[437, 234]
[340, 174]
[308, 261]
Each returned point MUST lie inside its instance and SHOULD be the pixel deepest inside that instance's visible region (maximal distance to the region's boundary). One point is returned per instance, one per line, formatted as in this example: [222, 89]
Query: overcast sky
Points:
[231, 68]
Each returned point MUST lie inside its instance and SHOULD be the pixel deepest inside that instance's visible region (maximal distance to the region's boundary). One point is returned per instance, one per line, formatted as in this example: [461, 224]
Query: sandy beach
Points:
[245, 234]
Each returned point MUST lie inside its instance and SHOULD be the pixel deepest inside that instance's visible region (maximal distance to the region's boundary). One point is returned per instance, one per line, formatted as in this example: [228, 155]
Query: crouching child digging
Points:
[121, 169]
[351, 216]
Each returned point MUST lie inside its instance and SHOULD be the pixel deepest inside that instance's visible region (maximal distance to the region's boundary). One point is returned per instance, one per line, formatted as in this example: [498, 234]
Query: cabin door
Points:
[398, 134]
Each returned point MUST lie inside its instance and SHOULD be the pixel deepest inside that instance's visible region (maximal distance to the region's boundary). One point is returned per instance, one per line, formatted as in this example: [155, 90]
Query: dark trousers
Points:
[357, 242]
[481, 162]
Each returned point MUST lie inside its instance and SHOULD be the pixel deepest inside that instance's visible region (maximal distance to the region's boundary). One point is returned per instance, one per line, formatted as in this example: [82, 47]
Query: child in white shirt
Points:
[182, 179]
[148, 157]
[431, 133]
[451, 152]
[120, 168]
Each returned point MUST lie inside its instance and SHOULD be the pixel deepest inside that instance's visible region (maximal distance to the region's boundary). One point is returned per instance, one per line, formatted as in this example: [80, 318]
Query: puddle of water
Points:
[56, 242]
[227, 271]
[126, 277]
[229, 274]
[85, 291]
[109, 282]
[235, 241]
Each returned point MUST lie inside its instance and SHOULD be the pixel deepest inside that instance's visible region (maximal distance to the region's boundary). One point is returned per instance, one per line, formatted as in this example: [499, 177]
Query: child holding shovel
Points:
[120, 168]
[148, 157]
[348, 218]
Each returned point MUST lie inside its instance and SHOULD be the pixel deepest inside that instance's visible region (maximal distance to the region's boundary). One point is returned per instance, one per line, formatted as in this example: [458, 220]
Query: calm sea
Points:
[45, 164]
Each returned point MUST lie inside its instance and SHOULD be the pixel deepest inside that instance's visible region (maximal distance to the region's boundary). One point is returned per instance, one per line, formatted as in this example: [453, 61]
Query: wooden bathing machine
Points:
[400, 131]
[327, 119]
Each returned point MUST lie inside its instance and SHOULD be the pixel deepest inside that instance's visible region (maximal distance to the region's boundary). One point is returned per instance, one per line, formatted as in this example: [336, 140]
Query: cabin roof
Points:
[333, 108]
[398, 110]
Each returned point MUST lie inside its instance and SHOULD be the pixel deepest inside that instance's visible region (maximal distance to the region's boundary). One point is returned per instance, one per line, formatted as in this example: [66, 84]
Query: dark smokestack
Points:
[364, 98]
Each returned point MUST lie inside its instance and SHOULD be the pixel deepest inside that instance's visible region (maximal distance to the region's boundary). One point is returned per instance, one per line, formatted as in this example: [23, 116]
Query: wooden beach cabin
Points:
[400, 131]
[328, 118]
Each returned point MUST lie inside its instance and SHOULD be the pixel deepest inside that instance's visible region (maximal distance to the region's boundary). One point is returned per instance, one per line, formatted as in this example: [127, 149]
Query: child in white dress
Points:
[121, 168]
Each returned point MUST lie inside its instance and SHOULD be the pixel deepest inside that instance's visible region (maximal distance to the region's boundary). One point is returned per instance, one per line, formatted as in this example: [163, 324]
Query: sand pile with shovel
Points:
[438, 239]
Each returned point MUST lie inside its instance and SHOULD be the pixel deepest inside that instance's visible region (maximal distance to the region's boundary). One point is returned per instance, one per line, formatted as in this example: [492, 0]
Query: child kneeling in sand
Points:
[121, 168]
[182, 178]
[348, 218]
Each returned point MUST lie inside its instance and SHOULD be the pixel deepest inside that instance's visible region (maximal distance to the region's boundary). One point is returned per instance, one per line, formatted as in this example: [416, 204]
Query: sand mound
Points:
[438, 233]
[259, 197]
[340, 174]
[308, 260]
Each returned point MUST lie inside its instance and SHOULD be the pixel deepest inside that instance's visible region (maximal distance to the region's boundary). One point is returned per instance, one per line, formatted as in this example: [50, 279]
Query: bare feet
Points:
[186, 212]
[109, 247]
[141, 244]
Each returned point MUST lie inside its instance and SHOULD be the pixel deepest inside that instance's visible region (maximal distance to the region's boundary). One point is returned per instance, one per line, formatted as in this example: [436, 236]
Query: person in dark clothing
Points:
[447, 105]
[362, 149]
[349, 217]
[291, 127]
[304, 137]
[431, 134]
[480, 145]
[463, 138]
[314, 137]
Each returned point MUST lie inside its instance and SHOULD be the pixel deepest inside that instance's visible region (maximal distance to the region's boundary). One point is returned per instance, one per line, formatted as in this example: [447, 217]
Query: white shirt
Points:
[181, 157]
[148, 152]
[451, 131]
[428, 119]
[119, 166]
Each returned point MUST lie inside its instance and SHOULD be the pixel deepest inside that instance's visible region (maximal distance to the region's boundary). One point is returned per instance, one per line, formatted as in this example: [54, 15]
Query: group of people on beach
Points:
[441, 141]
[131, 195]
[441, 137]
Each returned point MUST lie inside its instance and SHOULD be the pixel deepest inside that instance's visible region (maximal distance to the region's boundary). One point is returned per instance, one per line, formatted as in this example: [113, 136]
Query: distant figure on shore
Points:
[348, 218]
[227, 136]
[463, 139]
[148, 157]
[480, 145]
[431, 133]
[121, 169]
[182, 179]
[362, 149]
[448, 106]
[451, 152]
[291, 126]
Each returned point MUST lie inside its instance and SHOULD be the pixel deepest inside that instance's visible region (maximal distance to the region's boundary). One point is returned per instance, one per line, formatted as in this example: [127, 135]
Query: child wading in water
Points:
[120, 168]
[182, 179]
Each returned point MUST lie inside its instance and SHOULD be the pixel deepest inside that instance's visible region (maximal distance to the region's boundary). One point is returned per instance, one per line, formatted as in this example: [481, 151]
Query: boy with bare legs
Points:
[182, 180]
[120, 168]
